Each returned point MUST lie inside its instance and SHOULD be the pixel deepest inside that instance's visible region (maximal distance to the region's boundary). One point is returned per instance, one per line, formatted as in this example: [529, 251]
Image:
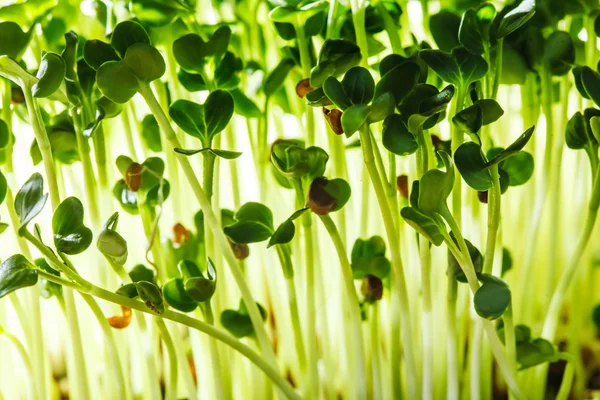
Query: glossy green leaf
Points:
[492, 299]
[97, 52]
[243, 105]
[381, 107]
[126, 34]
[16, 272]
[238, 322]
[218, 110]
[470, 119]
[116, 81]
[145, 62]
[591, 83]
[358, 85]
[471, 163]
[335, 58]
[202, 289]
[14, 40]
[151, 133]
[435, 187]
[176, 297]
[519, 168]
[459, 68]
[396, 136]
[399, 81]
[491, 110]
[141, 273]
[470, 34]
[125, 197]
[335, 91]
[444, 27]
[577, 77]
[354, 117]
[368, 258]
[30, 200]
[559, 53]
[286, 231]
[516, 18]
[189, 116]
[71, 236]
[50, 74]
[423, 224]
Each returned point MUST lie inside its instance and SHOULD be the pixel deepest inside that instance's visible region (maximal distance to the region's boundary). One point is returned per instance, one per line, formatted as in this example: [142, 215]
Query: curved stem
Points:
[464, 259]
[211, 219]
[398, 278]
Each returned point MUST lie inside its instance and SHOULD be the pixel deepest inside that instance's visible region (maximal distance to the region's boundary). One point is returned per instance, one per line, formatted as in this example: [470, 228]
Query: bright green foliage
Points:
[253, 223]
[286, 230]
[368, 258]
[16, 273]
[30, 200]
[71, 236]
[493, 297]
[110, 243]
[238, 322]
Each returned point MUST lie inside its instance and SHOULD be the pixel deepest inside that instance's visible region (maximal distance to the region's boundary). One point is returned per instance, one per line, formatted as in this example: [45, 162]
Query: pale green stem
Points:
[218, 334]
[398, 278]
[211, 219]
[355, 331]
[117, 370]
[306, 66]
[24, 358]
[171, 385]
[466, 264]
[41, 137]
[510, 342]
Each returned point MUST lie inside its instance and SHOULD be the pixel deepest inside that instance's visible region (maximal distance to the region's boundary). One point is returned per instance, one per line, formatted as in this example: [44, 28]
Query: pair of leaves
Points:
[71, 236]
[482, 112]
[238, 322]
[421, 109]
[335, 58]
[203, 121]
[128, 60]
[293, 161]
[474, 167]
[253, 223]
[368, 258]
[459, 68]
[186, 292]
[192, 52]
[531, 351]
